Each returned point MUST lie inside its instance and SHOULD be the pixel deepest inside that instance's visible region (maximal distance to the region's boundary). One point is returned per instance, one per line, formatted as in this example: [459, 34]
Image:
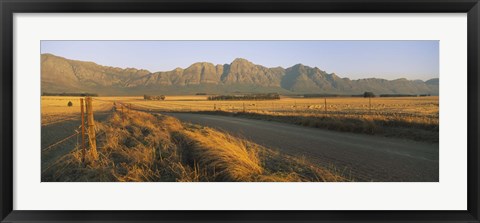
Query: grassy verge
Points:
[138, 147]
[417, 128]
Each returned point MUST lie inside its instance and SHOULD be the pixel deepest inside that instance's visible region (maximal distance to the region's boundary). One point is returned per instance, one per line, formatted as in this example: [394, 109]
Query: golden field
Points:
[54, 109]
[414, 106]
[407, 117]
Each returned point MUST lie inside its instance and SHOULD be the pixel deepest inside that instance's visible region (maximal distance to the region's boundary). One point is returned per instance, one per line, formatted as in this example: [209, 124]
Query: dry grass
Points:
[228, 157]
[138, 146]
[420, 129]
[415, 106]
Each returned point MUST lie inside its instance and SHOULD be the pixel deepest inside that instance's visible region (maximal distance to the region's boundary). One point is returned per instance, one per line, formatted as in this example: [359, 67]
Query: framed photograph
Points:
[239, 111]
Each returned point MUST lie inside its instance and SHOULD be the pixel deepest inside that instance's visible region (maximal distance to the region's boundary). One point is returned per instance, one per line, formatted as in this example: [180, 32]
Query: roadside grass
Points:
[140, 147]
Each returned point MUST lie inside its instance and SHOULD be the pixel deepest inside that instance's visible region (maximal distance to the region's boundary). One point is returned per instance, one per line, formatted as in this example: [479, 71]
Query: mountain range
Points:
[61, 75]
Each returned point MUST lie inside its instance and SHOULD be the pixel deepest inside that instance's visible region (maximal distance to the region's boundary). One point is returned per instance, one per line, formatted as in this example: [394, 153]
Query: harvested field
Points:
[404, 117]
[55, 109]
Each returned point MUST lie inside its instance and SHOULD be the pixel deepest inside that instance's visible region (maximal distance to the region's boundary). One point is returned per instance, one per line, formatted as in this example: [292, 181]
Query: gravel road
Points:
[364, 157]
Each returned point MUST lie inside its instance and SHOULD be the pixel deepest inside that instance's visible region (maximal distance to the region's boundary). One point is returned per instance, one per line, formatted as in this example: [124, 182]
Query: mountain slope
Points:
[64, 75]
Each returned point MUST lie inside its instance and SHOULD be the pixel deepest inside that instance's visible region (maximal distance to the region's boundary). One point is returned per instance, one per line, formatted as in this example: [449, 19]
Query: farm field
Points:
[419, 109]
[405, 117]
[54, 109]
[414, 106]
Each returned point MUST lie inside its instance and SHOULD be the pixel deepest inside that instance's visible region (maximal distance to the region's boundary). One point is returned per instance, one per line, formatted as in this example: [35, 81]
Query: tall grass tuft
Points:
[229, 158]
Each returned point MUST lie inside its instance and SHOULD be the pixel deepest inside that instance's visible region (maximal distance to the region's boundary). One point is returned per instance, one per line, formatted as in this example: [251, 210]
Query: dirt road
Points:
[365, 157]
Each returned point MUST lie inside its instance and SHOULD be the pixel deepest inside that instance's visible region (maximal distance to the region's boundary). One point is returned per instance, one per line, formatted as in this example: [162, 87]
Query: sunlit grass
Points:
[137, 146]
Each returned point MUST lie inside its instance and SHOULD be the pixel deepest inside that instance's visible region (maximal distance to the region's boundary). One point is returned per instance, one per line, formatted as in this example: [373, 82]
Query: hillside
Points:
[63, 75]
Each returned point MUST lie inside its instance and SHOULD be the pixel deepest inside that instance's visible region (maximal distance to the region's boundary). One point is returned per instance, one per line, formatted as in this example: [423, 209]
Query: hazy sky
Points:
[352, 59]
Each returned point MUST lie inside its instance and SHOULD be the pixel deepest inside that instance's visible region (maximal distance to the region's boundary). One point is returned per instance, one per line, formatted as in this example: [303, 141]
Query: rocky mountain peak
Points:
[241, 61]
[63, 75]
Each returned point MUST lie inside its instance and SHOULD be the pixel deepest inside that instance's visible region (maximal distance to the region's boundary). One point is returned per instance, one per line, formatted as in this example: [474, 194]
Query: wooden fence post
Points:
[243, 107]
[325, 105]
[86, 105]
[370, 104]
[91, 129]
[123, 114]
[82, 113]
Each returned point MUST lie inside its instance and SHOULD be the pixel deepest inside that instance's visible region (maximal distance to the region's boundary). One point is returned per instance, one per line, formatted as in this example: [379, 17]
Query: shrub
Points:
[154, 98]
[70, 104]
[269, 96]
[368, 94]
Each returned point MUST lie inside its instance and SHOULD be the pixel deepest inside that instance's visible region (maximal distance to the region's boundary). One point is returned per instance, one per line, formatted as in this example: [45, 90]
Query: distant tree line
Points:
[366, 94]
[70, 94]
[404, 95]
[330, 95]
[154, 98]
[269, 96]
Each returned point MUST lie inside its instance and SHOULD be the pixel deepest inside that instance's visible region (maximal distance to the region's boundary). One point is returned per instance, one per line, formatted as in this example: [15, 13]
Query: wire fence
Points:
[61, 141]
[76, 131]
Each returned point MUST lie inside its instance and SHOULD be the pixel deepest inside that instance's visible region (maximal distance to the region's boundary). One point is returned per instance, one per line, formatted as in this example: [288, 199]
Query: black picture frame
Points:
[9, 7]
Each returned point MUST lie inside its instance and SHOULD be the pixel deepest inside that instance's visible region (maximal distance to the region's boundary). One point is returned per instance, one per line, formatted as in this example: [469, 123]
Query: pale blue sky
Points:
[352, 59]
